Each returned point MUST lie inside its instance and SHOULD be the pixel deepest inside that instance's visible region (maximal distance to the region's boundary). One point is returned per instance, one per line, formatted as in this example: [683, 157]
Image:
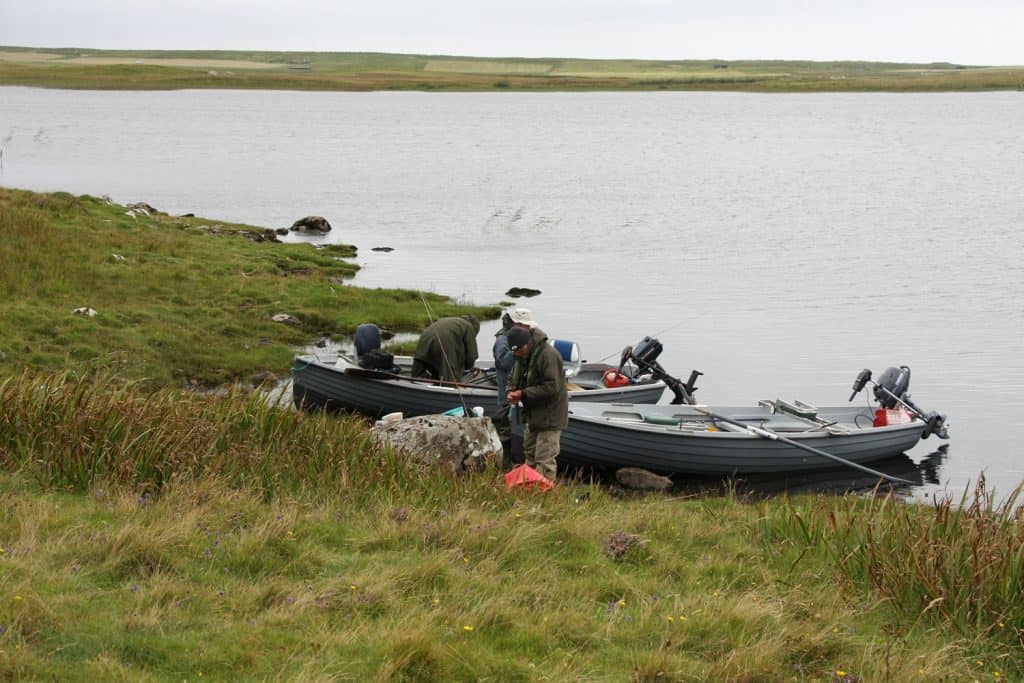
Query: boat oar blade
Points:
[773, 436]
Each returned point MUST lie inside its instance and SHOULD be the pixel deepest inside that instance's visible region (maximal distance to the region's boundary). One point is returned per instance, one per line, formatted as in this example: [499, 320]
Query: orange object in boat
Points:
[614, 378]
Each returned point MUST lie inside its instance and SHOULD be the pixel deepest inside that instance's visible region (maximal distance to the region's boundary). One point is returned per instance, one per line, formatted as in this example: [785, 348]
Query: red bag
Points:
[614, 378]
[527, 478]
[892, 416]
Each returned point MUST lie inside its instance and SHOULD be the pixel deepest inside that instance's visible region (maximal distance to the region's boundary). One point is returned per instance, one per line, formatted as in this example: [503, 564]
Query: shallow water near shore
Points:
[778, 243]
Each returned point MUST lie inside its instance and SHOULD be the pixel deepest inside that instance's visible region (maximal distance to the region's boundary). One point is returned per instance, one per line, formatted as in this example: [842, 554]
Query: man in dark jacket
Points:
[511, 431]
[446, 349]
[538, 382]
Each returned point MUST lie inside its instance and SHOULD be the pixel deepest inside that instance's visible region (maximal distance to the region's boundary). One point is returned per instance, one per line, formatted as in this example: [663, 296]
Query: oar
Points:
[772, 436]
[380, 374]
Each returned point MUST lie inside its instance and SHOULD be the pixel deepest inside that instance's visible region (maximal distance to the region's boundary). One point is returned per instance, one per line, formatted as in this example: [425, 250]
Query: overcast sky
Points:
[964, 31]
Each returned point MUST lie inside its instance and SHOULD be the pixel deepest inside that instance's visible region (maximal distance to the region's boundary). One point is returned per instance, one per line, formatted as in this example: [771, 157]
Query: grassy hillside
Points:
[178, 299]
[143, 70]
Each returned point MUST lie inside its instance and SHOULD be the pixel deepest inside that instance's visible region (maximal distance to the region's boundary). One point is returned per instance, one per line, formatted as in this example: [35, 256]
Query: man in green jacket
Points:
[446, 349]
[538, 382]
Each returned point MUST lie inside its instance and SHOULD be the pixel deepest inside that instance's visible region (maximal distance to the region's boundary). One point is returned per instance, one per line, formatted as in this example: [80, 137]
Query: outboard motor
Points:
[892, 390]
[367, 338]
[645, 356]
[369, 355]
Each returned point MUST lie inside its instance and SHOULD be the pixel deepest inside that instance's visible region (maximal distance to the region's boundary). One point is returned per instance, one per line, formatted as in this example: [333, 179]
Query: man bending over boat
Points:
[446, 349]
[538, 382]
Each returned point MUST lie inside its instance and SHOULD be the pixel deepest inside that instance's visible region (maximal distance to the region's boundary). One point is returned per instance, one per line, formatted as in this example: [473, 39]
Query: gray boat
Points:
[771, 437]
[343, 385]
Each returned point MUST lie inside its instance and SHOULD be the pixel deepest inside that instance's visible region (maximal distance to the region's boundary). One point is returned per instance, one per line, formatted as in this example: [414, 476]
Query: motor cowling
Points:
[892, 386]
[646, 351]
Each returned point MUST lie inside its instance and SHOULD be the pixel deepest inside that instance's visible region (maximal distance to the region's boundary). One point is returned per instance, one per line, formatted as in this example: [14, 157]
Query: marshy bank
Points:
[150, 531]
[178, 299]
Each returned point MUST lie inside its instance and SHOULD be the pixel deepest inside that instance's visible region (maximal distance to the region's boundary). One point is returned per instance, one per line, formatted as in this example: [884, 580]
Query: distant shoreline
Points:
[79, 68]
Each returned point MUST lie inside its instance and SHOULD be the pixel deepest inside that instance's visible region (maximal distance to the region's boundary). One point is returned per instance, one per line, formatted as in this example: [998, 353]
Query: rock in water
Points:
[642, 480]
[312, 224]
[517, 292]
[457, 443]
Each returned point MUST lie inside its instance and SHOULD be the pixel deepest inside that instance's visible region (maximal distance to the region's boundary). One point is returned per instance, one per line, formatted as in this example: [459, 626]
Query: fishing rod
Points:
[656, 334]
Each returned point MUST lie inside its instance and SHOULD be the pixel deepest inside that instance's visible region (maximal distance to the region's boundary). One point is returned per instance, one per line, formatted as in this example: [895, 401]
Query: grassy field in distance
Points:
[176, 69]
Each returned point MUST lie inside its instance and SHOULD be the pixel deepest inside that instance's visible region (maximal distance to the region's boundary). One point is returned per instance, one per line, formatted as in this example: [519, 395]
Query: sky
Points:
[983, 32]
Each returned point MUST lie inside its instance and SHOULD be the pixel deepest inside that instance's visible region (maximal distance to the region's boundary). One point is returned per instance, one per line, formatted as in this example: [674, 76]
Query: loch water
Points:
[778, 243]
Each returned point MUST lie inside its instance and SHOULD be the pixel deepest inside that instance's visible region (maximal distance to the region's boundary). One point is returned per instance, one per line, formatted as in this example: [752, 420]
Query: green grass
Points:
[163, 70]
[170, 535]
[191, 301]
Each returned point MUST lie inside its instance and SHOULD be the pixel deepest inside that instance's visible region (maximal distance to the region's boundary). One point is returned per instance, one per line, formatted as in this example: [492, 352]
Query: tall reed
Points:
[950, 565]
[73, 432]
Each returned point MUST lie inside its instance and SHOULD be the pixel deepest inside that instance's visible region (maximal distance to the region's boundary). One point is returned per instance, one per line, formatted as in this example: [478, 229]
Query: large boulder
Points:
[311, 224]
[459, 444]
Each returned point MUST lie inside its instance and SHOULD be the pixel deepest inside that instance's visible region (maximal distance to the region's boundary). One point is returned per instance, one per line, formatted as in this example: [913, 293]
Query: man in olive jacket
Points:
[538, 381]
[446, 349]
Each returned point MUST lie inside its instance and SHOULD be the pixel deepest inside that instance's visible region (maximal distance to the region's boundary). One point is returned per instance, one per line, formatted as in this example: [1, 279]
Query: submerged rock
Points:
[459, 444]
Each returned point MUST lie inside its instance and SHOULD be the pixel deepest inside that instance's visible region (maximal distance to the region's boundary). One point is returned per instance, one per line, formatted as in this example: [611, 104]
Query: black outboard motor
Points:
[645, 356]
[369, 355]
[891, 390]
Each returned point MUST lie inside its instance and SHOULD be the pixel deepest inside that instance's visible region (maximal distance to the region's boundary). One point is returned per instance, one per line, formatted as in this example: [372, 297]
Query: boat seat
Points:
[798, 408]
[658, 420]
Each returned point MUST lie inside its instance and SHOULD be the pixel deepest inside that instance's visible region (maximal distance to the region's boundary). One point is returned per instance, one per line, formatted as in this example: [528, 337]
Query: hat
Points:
[517, 337]
[522, 316]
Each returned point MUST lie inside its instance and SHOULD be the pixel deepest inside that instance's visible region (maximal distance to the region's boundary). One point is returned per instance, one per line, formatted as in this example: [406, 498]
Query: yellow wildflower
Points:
[467, 628]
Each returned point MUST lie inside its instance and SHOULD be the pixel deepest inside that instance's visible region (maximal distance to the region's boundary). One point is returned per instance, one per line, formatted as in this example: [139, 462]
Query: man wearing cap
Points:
[446, 349]
[538, 383]
[511, 434]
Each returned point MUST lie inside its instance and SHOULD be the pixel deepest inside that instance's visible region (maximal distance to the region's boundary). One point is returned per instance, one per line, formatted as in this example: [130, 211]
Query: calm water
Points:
[779, 243]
